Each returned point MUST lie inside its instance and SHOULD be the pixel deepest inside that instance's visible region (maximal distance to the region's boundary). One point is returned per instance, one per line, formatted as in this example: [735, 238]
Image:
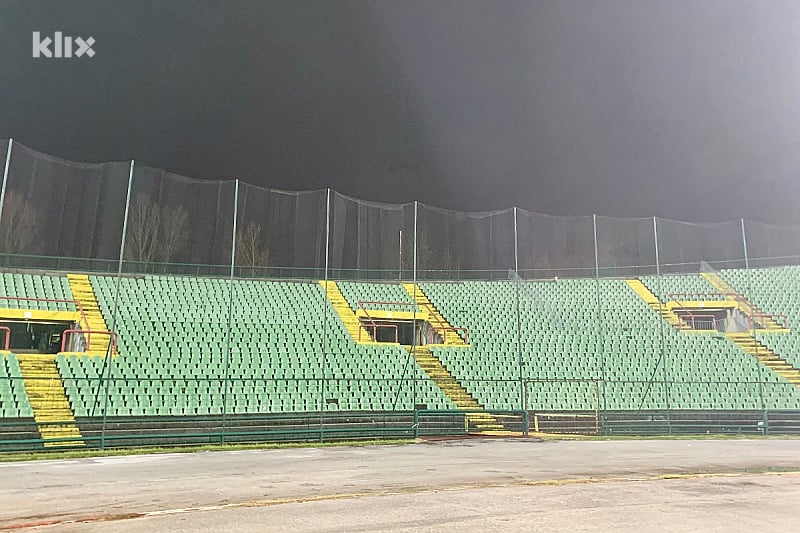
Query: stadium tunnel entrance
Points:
[405, 332]
[34, 336]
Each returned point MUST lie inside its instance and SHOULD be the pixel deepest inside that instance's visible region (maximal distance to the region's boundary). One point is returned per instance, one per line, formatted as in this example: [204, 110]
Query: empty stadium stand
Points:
[556, 346]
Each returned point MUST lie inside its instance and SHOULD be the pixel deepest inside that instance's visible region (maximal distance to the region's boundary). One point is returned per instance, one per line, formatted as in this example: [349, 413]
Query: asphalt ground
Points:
[469, 485]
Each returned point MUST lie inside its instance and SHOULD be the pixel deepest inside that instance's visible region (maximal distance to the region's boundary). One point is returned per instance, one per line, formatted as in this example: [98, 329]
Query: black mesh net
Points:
[366, 240]
[625, 246]
[281, 233]
[454, 244]
[554, 246]
[772, 245]
[56, 209]
[683, 246]
[178, 224]
[62, 214]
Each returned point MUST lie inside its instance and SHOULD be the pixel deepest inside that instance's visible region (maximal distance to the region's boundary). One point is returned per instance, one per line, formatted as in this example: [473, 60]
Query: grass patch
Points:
[116, 452]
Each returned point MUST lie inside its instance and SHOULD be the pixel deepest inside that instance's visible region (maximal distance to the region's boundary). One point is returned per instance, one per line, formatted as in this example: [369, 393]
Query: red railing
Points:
[780, 319]
[374, 323]
[84, 321]
[755, 313]
[439, 325]
[88, 334]
[705, 296]
[7, 343]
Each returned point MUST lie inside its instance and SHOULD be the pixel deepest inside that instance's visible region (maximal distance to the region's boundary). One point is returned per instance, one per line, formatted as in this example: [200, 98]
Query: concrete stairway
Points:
[766, 356]
[745, 306]
[51, 408]
[451, 338]
[346, 314]
[83, 292]
[652, 300]
[482, 422]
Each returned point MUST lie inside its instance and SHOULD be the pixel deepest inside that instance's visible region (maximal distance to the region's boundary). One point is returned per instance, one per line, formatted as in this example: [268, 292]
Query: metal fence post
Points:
[602, 401]
[516, 243]
[109, 353]
[663, 359]
[230, 311]
[324, 358]
[5, 178]
[744, 246]
[414, 309]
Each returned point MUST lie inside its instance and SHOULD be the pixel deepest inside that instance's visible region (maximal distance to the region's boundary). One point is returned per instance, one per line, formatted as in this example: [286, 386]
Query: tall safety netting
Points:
[683, 246]
[61, 214]
[554, 246]
[370, 240]
[771, 244]
[281, 233]
[458, 245]
[178, 224]
[625, 246]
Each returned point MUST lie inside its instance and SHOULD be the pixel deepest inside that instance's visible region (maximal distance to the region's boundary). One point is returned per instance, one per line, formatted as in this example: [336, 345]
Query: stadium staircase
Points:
[83, 292]
[483, 422]
[766, 356]
[48, 399]
[743, 304]
[652, 300]
[449, 337]
[346, 314]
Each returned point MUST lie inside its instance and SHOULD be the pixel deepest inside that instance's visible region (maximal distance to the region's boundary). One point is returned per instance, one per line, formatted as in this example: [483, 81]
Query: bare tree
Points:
[18, 229]
[173, 225]
[143, 227]
[155, 233]
[249, 250]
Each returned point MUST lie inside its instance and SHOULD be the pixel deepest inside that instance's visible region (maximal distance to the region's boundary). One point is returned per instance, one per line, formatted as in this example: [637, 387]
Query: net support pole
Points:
[520, 361]
[113, 324]
[516, 244]
[400, 258]
[596, 259]
[5, 177]
[228, 338]
[323, 357]
[663, 358]
[744, 246]
[414, 309]
[601, 400]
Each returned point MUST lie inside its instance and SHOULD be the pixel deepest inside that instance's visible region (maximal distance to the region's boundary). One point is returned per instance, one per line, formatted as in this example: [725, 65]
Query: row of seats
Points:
[176, 329]
[14, 401]
[629, 343]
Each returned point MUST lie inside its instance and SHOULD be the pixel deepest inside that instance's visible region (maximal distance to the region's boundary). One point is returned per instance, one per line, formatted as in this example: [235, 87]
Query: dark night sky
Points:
[681, 109]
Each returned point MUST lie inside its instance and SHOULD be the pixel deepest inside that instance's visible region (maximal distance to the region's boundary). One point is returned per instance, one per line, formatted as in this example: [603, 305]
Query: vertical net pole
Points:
[601, 401]
[744, 246]
[400, 258]
[230, 312]
[516, 244]
[749, 296]
[517, 295]
[323, 362]
[661, 325]
[106, 370]
[414, 312]
[5, 177]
